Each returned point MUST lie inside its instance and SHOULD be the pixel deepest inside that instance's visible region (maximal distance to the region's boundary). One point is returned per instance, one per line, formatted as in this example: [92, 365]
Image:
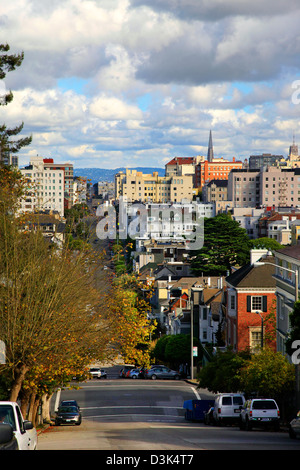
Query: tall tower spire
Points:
[210, 151]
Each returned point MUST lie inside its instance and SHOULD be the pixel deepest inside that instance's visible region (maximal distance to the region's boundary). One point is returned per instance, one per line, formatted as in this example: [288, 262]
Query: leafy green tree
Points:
[268, 373]
[265, 242]
[222, 374]
[226, 244]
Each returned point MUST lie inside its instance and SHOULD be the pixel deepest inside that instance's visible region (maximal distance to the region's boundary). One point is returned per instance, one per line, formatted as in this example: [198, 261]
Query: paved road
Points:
[142, 415]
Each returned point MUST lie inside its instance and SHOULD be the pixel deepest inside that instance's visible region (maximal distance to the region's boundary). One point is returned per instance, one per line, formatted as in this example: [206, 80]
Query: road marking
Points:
[196, 393]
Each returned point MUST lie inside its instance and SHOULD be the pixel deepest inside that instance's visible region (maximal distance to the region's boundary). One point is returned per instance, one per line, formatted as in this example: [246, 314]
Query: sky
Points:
[114, 83]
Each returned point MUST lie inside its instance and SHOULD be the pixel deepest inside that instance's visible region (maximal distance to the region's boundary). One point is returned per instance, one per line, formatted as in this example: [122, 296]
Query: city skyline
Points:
[116, 83]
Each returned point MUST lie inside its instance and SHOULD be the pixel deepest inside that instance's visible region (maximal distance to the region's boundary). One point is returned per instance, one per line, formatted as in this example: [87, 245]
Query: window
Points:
[257, 303]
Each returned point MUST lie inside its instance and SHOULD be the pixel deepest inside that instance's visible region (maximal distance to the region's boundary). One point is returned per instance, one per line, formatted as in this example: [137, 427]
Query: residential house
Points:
[251, 303]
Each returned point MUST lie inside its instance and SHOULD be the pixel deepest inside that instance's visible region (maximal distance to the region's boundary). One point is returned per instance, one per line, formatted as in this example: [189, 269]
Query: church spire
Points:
[210, 151]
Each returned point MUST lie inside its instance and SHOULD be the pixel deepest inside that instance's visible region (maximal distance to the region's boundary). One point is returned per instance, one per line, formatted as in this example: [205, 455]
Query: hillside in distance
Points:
[103, 174]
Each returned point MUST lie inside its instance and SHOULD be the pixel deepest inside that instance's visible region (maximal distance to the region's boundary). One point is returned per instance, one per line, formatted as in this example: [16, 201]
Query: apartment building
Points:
[215, 190]
[256, 162]
[48, 186]
[137, 186]
[68, 174]
[244, 188]
[217, 169]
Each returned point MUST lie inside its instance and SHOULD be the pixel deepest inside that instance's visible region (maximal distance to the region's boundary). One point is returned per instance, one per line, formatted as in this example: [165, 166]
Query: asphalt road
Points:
[137, 415]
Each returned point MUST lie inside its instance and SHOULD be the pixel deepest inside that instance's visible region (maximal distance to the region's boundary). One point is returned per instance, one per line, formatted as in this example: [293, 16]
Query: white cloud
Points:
[152, 78]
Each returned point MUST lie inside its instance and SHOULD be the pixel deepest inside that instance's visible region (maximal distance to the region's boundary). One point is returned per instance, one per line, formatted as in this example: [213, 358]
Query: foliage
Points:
[226, 244]
[175, 349]
[8, 63]
[222, 374]
[266, 373]
[129, 308]
[265, 242]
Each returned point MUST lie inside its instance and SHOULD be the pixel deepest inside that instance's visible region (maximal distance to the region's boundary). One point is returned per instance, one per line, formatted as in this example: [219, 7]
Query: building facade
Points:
[47, 193]
[136, 186]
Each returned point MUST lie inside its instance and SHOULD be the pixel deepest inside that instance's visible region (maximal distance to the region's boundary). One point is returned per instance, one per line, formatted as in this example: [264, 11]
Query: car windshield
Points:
[7, 415]
[264, 405]
[68, 409]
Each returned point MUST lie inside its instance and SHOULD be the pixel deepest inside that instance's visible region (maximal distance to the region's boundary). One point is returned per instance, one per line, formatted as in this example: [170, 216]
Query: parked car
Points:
[294, 427]
[227, 408]
[135, 374]
[69, 403]
[162, 373]
[158, 366]
[68, 415]
[96, 373]
[125, 369]
[24, 430]
[259, 412]
[8, 440]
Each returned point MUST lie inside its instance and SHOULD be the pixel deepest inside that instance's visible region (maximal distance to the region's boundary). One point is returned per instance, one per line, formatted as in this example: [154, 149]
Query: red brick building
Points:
[251, 300]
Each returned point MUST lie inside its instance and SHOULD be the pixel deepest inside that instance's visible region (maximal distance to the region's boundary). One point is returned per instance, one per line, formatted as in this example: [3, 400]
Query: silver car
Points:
[162, 373]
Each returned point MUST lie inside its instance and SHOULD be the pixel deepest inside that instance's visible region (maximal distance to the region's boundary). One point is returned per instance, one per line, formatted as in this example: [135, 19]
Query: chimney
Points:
[256, 254]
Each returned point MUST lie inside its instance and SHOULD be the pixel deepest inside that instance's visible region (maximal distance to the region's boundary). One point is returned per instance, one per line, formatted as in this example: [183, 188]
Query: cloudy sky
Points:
[110, 83]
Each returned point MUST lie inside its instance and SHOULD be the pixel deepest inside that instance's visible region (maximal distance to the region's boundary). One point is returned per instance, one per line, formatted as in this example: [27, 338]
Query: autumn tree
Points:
[129, 308]
[49, 306]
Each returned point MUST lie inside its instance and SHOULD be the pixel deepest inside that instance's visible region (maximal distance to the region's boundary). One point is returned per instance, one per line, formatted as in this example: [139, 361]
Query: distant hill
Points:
[102, 174]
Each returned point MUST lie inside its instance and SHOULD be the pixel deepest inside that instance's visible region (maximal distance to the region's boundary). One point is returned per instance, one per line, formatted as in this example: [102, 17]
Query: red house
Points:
[251, 305]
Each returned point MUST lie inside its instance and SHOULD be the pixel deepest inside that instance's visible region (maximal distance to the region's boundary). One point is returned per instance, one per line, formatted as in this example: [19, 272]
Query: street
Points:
[125, 414]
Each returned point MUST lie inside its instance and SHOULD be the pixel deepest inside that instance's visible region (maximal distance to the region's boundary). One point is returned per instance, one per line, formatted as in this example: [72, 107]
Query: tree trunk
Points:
[24, 402]
[20, 373]
[46, 418]
[31, 405]
[35, 406]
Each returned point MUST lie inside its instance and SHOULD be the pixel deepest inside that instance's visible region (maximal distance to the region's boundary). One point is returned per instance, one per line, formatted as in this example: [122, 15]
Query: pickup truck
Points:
[24, 431]
[259, 412]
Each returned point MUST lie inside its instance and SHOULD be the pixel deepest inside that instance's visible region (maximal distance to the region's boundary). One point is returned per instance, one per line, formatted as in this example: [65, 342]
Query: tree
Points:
[49, 306]
[268, 373]
[8, 63]
[222, 374]
[128, 300]
[226, 244]
[265, 242]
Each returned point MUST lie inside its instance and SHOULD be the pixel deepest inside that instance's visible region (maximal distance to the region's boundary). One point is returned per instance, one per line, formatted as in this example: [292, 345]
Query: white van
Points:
[227, 407]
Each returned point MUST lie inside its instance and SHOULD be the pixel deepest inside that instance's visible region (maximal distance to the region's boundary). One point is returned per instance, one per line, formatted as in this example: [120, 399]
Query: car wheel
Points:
[177, 377]
[134, 376]
[153, 377]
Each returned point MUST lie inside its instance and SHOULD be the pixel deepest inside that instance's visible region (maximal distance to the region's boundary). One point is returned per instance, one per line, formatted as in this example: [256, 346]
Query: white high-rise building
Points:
[47, 187]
